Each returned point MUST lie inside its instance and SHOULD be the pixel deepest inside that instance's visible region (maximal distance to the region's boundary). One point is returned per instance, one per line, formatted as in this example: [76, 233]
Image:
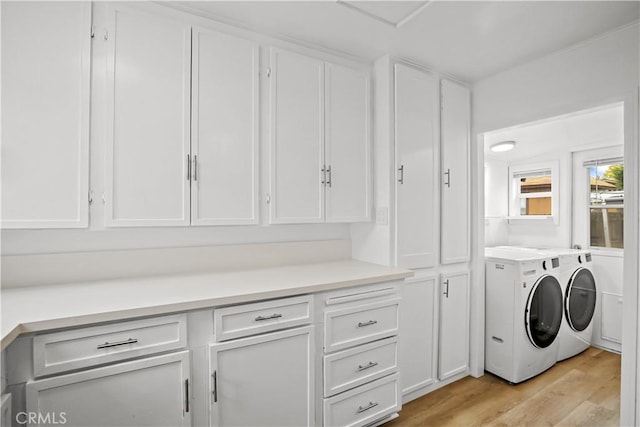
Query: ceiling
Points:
[468, 39]
[599, 127]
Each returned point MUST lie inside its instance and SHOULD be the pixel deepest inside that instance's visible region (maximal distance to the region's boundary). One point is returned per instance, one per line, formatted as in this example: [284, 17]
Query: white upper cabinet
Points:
[455, 120]
[297, 134]
[225, 124]
[347, 145]
[148, 120]
[416, 130]
[46, 53]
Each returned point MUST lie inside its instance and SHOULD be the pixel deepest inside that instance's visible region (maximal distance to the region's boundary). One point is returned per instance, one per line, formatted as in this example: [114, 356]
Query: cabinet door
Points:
[146, 392]
[417, 360]
[266, 380]
[148, 96]
[347, 145]
[416, 102]
[454, 235]
[224, 148]
[46, 54]
[297, 138]
[454, 325]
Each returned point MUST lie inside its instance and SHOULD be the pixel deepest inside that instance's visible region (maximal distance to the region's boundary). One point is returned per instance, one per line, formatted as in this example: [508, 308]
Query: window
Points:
[534, 191]
[606, 203]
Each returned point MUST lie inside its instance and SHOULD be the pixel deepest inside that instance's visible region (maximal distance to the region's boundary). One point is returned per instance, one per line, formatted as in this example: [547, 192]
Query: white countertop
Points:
[38, 308]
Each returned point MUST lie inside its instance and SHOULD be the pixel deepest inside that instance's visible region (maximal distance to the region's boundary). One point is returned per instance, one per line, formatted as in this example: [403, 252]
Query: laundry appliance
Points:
[524, 310]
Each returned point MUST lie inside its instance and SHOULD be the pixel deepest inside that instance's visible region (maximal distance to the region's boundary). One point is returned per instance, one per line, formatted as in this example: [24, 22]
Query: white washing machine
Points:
[524, 310]
[580, 294]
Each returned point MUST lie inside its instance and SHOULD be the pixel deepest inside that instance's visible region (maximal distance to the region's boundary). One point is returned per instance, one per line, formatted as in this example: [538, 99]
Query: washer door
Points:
[580, 299]
[544, 311]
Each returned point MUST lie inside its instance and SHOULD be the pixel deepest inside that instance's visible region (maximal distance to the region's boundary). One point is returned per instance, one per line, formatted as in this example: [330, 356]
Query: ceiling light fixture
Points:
[503, 146]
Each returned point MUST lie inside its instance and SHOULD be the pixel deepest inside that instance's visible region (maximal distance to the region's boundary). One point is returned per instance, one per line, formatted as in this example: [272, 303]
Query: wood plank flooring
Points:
[581, 391]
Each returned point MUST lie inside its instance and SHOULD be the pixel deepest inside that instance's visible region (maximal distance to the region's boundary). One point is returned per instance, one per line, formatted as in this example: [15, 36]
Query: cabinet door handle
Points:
[186, 395]
[329, 179]
[369, 323]
[367, 366]
[446, 288]
[401, 170]
[215, 386]
[188, 167]
[448, 181]
[361, 409]
[118, 343]
[273, 316]
[195, 167]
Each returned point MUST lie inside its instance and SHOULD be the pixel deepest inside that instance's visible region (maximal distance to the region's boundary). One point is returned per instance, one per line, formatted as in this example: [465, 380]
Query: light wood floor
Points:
[581, 391]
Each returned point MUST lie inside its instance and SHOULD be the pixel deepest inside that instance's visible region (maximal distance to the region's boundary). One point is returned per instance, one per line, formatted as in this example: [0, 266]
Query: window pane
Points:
[538, 206]
[607, 226]
[607, 212]
[535, 184]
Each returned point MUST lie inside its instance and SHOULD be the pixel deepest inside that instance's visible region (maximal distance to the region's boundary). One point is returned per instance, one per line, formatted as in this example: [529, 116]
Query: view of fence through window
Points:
[535, 194]
[607, 205]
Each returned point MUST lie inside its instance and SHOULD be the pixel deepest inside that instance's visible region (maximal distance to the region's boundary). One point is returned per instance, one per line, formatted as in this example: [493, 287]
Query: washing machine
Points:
[524, 310]
[580, 294]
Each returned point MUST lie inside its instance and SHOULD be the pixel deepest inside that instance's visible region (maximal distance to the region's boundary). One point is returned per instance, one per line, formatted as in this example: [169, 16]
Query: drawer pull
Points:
[118, 343]
[362, 409]
[273, 316]
[369, 323]
[367, 366]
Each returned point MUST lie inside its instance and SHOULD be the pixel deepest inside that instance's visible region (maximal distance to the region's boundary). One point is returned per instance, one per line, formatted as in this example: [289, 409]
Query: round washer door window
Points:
[544, 312]
[580, 300]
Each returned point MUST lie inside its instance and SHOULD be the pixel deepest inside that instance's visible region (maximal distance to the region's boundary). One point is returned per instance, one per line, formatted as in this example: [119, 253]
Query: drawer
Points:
[363, 405]
[360, 324]
[250, 319]
[351, 368]
[80, 348]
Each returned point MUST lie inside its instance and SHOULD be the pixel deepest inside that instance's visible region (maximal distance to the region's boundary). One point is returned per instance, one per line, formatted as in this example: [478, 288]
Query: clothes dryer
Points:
[524, 305]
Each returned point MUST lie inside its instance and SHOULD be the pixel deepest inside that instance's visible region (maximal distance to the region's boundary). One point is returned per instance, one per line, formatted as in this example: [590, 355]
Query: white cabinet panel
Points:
[46, 53]
[417, 349]
[297, 136]
[267, 380]
[225, 129]
[455, 121]
[416, 103]
[347, 145]
[454, 325]
[611, 322]
[148, 123]
[146, 392]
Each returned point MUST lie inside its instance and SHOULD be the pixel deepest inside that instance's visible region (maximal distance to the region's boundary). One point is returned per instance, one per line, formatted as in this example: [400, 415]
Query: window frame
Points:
[516, 196]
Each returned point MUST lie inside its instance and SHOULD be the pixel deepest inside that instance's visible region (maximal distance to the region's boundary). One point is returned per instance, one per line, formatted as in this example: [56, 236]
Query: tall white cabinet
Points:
[148, 135]
[455, 122]
[453, 344]
[416, 132]
[46, 62]
[319, 141]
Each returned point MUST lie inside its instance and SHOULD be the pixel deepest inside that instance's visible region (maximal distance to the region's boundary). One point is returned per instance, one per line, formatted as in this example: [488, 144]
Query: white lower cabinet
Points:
[454, 325]
[265, 380]
[146, 392]
[417, 343]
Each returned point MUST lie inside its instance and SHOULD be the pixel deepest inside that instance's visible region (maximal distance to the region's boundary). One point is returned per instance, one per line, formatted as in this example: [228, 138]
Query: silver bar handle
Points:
[448, 181]
[186, 395]
[446, 291]
[367, 366]
[369, 323]
[361, 409]
[329, 179]
[195, 167]
[273, 316]
[188, 167]
[118, 343]
[401, 170]
[215, 386]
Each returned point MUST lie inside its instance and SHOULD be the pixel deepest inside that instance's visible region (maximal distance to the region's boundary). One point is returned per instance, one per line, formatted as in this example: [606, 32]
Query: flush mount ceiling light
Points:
[503, 146]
